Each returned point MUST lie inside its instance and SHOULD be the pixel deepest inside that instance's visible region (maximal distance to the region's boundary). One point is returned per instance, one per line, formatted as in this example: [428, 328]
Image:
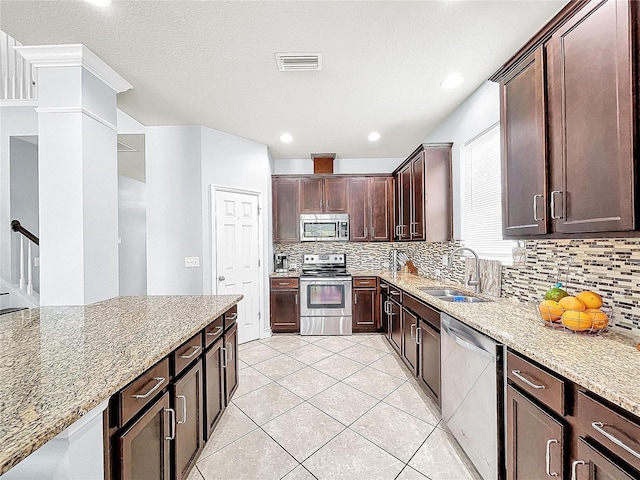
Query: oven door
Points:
[325, 297]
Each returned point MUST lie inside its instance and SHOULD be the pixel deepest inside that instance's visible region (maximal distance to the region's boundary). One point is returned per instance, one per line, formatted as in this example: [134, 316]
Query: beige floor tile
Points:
[267, 402]
[253, 456]
[349, 456]
[257, 354]
[249, 379]
[233, 425]
[361, 337]
[246, 346]
[393, 430]
[377, 342]
[392, 365]
[303, 430]
[307, 382]
[278, 367]
[363, 354]
[242, 365]
[334, 344]
[284, 343]
[312, 338]
[194, 474]
[344, 403]
[411, 400]
[374, 382]
[299, 473]
[410, 474]
[309, 354]
[441, 458]
[338, 367]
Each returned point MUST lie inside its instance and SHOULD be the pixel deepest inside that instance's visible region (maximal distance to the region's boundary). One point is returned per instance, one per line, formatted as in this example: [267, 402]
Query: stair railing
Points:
[25, 284]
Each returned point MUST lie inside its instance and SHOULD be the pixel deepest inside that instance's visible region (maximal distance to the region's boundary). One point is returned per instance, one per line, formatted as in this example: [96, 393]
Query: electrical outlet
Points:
[36, 261]
[438, 272]
[191, 262]
[445, 260]
[293, 266]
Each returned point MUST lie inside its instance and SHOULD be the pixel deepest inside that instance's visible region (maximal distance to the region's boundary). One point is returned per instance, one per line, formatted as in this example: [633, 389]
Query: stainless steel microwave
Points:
[324, 227]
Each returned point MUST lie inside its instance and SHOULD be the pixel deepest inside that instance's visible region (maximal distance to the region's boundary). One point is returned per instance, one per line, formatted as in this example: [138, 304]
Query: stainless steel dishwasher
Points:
[472, 392]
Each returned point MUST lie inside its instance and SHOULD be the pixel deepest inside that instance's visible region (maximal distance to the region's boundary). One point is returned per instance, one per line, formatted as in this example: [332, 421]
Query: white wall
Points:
[174, 209]
[304, 166]
[132, 223]
[478, 112]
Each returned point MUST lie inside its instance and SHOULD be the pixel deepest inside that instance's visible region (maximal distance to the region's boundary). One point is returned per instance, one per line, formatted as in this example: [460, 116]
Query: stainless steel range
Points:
[325, 294]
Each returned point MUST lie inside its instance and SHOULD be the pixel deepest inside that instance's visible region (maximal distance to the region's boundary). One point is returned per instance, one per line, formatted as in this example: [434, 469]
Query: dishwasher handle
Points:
[465, 342]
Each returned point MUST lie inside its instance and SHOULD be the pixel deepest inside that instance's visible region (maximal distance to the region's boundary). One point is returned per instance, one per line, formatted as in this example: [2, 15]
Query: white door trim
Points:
[264, 323]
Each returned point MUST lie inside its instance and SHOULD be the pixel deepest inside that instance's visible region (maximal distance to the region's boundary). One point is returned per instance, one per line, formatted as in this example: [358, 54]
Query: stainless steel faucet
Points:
[473, 282]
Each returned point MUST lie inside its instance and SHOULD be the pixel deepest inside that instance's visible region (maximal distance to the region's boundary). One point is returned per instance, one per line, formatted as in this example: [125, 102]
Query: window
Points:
[482, 197]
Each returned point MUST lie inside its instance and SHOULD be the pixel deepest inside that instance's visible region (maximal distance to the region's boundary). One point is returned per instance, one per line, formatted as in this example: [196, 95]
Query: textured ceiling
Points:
[212, 63]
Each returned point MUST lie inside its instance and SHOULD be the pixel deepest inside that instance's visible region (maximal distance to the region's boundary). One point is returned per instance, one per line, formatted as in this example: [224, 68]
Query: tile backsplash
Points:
[610, 267]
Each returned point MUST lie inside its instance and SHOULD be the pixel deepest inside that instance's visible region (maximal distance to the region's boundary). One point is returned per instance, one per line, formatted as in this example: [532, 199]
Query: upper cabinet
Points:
[568, 113]
[323, 195]
[423, 198]
[370, 208]
[286, 213]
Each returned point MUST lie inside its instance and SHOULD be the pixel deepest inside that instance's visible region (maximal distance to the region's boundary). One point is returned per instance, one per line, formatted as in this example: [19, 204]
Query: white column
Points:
[78, 175]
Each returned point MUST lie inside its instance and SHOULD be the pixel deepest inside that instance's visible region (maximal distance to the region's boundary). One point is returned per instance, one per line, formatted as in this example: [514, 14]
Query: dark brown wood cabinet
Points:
[409, 325]
[385, 322]
[404, 181]
[188, 405]
[286, 213]
[358, 212]
[335, 195]
[395, 318]
[592, 464]
[230, 362]
[214, 386]
[323, 194]
[366, 313]
[311, 195]
[370, 208]
[429, 358]
[285, 308]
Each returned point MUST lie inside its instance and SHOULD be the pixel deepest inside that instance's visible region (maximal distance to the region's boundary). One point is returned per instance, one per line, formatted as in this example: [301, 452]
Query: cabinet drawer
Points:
[395, 294]
[365, 282]
[230, 316]
[425, 312]
[609, 428]
[187, 353]
[542, 385]
[143, 390]
[284, 283]
[213, 331]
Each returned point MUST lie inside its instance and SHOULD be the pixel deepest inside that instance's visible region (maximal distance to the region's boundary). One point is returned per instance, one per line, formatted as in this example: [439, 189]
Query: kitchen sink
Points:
[443, 292]
[461, 299]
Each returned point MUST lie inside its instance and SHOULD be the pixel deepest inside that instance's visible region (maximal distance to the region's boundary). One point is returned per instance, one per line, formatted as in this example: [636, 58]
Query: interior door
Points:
[236, 255]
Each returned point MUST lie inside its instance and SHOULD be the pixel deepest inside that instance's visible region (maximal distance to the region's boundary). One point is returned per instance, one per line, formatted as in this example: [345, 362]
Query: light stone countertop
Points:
[607, 364]
[289, 274]
[58, 363]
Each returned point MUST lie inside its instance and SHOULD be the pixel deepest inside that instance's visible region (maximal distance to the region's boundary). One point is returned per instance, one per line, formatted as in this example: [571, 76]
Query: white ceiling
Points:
[212, 63]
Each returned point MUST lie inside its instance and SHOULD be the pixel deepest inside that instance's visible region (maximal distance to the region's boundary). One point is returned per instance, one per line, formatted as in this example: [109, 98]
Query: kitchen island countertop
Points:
[58, 363]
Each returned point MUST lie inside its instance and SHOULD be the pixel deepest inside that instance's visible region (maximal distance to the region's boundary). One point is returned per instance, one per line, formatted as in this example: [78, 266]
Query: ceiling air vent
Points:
[295, 62]
[123, 147]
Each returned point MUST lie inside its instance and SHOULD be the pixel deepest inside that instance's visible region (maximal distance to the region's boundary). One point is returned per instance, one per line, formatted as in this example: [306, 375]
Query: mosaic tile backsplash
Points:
[610, 267]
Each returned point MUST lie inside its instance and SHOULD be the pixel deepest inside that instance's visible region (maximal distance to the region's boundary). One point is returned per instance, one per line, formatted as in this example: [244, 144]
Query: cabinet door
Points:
[409, 345]
[524, 148]
[144, 446]
[335, 195]
[591, 107]
[405, 209]
[311, 195]
[365, 310]
[437, 201]
[285, 311]
[381, 201]
[396, 328]
[535, 440]
[384, 315]
[230, 362]
[214, 386]
[417, 197]
[429, 359]
[188, 404]
[594, 465]
[358, 211]
[286, 216]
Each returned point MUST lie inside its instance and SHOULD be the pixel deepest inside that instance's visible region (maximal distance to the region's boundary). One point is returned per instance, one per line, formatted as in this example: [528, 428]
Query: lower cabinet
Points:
[188, 403]
[143, 447]
[230, 362]
[384, 313]
[594, 465]
[409, 346]
[366, 316]
[214, 392]
[285, 308]
[395, 326]
[429, 358]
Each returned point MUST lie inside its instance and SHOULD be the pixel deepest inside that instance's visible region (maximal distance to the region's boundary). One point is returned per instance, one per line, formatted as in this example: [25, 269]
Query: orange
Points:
[550, 310]
[572, 303]
[577, 320]
[599, 318]
[590, 299]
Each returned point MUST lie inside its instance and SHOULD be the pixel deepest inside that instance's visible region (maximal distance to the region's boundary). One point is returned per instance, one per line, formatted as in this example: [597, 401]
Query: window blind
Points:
[482, 197]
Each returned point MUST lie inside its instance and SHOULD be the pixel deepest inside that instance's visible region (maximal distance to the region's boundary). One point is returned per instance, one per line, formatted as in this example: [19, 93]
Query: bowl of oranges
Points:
[583, 312]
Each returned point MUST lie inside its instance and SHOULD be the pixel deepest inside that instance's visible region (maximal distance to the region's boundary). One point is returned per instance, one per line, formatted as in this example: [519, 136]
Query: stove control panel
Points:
[324, 259]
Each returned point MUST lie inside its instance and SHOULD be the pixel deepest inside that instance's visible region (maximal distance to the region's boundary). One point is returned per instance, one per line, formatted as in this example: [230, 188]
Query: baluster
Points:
[22, 284]
[29, 270]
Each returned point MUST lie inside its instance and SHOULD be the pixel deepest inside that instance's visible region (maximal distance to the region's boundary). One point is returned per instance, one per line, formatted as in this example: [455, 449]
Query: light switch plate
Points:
[191, 262]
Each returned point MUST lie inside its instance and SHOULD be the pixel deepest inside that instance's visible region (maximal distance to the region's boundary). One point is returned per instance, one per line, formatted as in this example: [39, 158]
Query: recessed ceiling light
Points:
[374, 137]
[99, 3]
[286, 138]
[452, 81]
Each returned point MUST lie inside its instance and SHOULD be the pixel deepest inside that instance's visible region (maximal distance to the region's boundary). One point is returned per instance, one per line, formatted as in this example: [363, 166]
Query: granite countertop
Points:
[289, 274]
[58, 363]
[606, 364]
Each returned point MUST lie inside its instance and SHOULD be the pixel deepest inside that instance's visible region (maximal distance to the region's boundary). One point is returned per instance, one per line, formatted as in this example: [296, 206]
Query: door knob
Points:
[221, 278]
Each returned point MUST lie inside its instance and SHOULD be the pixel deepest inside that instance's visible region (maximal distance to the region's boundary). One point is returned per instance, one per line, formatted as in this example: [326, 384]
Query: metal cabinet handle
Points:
[553, 205]
[224, 357]
[214, 334]
[355, 299]
[535, 208]
[373, 231]
[221, 278]
[184, 409]
[387, 307]
[364, 283]
[398, 234]
[418, 335]
[296, 298]
[233, 317]
[160, 381]
[283, 283]
[599, 427]
[394, 293]
[533, 385]
[172, 412]
[196, 349]
[230, 351]
[574, 467]
[365, 231]
[548, 458]
[413, 325]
